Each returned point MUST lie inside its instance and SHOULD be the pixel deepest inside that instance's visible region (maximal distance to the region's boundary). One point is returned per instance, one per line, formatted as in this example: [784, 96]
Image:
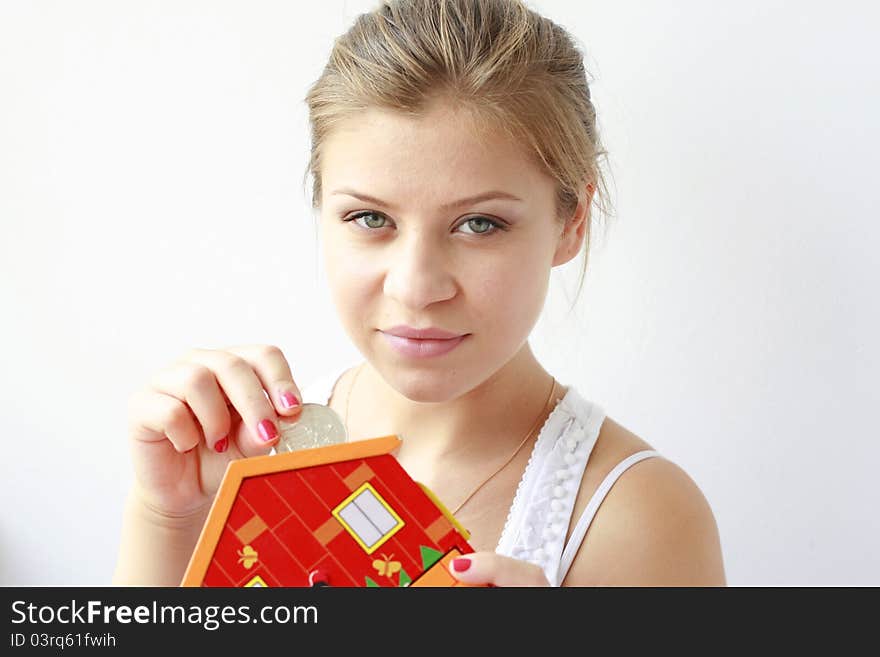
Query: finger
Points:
[155, 416]
[273, 371]
[240, 384]
[196, 386]
[496, 570]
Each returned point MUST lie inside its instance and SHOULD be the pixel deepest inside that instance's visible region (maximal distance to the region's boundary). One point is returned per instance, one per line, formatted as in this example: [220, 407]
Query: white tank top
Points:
[542, 507]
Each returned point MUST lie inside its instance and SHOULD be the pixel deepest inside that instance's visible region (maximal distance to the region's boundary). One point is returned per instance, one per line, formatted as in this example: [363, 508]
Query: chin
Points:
[426, 386]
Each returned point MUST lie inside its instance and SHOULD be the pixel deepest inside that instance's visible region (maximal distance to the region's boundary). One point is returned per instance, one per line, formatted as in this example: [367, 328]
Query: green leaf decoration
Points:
[430, 556]
[371, 583]
[405, 579]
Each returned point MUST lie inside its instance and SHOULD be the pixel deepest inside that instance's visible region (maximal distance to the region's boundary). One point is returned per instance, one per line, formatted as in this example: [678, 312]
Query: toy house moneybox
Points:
[341, 515]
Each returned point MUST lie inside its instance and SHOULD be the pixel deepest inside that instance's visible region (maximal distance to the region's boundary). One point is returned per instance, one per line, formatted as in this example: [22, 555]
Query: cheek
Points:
[509, 297]
[343, 263]
[339, 277]
[351, 277]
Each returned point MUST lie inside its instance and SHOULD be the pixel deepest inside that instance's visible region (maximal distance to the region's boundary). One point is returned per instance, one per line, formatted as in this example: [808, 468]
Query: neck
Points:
[494, 415]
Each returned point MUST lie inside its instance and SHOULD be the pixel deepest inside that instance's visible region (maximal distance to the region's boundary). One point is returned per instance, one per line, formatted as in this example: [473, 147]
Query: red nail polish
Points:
[289, 400]
[461, 565]
[267, 430]
[221, 444]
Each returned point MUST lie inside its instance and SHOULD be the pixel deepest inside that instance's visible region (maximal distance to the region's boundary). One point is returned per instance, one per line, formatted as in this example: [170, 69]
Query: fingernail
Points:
[267, 430]
[461, 565]
[221, 444]
[289, 400]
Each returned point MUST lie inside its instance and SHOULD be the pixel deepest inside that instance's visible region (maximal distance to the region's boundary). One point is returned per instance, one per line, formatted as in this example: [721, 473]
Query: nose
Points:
[418, 273]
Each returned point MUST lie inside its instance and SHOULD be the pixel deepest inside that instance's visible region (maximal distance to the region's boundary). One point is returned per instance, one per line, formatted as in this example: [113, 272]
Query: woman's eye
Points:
[367, 216]
[478, 225]
[481, 225]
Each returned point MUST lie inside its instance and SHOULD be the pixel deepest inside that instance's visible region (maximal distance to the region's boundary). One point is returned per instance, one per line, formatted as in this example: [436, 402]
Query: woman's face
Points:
[412, 256]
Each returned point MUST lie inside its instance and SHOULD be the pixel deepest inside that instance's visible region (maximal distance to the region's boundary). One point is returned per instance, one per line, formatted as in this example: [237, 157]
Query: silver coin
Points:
[317, 425]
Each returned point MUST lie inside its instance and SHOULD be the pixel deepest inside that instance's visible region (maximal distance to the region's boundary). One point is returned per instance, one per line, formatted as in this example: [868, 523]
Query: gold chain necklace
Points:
[519, 447]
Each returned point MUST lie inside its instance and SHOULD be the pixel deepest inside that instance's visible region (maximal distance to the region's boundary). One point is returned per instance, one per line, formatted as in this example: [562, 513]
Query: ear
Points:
[576, 227]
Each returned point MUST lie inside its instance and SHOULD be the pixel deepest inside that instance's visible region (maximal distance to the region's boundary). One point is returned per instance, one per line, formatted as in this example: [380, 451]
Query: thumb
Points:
[496, 570]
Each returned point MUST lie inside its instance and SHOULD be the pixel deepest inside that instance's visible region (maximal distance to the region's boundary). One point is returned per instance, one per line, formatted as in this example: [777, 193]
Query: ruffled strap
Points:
[544, 501]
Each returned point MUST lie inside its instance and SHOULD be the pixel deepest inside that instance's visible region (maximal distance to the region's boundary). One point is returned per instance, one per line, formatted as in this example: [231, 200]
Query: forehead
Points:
[442, 152]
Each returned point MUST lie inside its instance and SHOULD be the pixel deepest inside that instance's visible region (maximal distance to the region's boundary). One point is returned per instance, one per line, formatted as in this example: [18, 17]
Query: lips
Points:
[422, 348]
[430, 333]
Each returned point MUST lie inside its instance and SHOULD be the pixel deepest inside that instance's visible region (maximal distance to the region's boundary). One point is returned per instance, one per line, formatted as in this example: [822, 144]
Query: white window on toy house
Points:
[368, 518]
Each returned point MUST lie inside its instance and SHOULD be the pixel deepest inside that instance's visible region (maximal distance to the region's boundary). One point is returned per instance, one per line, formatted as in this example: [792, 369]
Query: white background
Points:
[151, 160]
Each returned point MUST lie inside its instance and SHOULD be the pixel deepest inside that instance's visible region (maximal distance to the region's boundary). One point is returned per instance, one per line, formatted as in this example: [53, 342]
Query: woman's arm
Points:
[654, 528]
[155, 550]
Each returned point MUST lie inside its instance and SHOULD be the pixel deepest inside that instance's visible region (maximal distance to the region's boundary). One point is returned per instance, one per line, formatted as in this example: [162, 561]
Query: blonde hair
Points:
[499, 62]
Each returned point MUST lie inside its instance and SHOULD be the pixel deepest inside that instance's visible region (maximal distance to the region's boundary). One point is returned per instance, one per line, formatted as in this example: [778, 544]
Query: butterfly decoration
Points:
[248, 556]
[385, 566]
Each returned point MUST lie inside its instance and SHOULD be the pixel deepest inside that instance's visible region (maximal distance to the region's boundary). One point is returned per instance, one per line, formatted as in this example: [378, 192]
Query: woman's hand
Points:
[496, 570]
[206, 409]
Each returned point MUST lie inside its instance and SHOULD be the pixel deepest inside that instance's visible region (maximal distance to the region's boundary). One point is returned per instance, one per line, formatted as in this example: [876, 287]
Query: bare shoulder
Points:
[654, 527]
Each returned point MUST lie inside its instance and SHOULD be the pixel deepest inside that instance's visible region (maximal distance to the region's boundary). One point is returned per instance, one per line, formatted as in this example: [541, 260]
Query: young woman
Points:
[455, 163]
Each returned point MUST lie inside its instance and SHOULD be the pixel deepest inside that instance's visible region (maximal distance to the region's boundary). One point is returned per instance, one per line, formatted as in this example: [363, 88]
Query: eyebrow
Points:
[485, 196]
